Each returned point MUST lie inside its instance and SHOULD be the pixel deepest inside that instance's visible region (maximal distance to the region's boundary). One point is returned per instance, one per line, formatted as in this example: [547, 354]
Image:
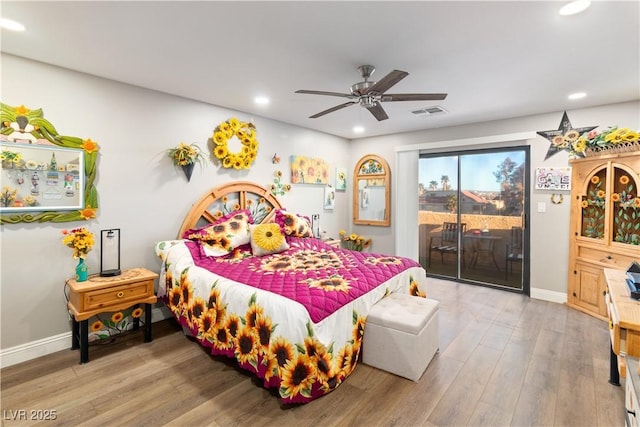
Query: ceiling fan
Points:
[370, 94]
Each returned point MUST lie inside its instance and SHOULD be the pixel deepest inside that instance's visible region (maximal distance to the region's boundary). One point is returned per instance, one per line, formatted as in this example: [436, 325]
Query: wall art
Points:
[308, 170]
[557, 178]
[341, 179]
[45, 176]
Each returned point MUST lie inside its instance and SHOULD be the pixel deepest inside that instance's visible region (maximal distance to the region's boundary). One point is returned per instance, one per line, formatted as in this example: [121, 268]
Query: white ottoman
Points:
[401, 335]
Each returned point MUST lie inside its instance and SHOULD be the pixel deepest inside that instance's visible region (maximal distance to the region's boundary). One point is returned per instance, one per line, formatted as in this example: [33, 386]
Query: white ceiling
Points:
[495, 59]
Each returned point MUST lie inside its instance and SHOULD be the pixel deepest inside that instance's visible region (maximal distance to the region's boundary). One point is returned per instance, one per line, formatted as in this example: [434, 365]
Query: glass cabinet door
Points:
[626, 208]
[593, 206]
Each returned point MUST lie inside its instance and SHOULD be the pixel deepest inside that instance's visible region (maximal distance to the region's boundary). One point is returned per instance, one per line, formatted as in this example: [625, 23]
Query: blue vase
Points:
[81, 271]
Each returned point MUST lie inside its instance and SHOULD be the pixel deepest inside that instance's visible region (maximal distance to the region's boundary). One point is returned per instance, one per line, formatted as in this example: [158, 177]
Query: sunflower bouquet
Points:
[185, 154]
[353, 241]
[80, 240]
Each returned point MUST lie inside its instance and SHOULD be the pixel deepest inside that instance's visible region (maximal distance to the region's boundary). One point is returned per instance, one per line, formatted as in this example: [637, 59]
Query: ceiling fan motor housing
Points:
[361, 88]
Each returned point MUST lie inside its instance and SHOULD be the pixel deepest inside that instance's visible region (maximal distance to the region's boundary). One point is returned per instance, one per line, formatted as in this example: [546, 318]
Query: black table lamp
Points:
[110, 252]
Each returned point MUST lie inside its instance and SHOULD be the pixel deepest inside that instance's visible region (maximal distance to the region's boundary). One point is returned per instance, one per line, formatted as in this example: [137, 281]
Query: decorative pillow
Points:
[267, 239]
[224, 235]
[293, 224]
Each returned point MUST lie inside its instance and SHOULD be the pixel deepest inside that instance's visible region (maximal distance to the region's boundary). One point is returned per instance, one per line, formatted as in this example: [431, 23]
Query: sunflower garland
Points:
[246, 134]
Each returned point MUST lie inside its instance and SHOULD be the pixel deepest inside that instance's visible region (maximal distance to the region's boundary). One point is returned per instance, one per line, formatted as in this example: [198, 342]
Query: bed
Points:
[248, 280]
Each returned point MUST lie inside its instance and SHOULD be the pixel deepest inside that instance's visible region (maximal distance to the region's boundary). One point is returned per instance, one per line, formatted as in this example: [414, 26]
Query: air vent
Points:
[429, 111]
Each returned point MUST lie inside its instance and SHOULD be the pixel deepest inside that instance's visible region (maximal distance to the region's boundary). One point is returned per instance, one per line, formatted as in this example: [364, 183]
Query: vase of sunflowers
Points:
[81, 241]
[353, 241]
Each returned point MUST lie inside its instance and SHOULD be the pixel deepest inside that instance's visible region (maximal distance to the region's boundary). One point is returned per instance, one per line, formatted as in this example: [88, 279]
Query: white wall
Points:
[139, 189]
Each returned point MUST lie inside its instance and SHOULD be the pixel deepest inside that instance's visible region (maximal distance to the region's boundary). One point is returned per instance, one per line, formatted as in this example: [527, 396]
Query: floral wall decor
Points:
[243, 132]
[307, 170]
[278, 188]
[341, 179]
[589, 141]
[329, 197]
[563, 138]
[26, 127]
[186, 156]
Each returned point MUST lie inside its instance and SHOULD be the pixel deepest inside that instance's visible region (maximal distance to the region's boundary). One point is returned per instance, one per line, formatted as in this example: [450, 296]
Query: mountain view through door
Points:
[472, 216]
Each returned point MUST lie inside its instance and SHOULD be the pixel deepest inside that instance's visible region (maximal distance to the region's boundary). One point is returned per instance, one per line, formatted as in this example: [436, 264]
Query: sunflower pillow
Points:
[267, 239]
[224, 235]
[293, 224]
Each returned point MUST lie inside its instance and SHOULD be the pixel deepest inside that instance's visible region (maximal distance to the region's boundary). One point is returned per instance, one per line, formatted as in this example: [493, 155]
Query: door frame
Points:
[526, 285]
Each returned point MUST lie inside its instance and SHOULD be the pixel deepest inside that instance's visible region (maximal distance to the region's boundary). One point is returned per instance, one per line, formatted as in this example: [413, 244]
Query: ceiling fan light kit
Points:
[370, 94]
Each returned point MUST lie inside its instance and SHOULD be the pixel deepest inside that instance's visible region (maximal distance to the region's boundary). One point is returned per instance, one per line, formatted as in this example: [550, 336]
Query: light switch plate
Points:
[542, 207]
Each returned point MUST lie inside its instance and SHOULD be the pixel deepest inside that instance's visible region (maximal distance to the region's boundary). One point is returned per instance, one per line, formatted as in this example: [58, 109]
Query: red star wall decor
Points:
[562, 138]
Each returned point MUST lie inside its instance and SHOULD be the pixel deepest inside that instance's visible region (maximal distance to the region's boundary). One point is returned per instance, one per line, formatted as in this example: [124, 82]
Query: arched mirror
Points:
[371, 191]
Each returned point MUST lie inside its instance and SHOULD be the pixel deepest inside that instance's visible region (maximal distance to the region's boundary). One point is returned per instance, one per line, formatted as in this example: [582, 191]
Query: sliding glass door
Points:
[472, 216]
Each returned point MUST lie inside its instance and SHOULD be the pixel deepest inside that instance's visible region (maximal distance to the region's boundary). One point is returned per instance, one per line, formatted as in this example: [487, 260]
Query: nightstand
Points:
[333, 242]
[106, 294]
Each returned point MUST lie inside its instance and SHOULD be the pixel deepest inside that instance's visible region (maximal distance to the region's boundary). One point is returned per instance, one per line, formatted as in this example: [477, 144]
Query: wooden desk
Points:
[624, 323]
[101, 294]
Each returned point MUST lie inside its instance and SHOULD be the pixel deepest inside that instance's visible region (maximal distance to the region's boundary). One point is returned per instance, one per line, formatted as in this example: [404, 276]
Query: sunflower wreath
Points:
[246, 134]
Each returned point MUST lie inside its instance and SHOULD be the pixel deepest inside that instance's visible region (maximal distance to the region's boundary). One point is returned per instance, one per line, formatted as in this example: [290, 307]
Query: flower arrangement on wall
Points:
[589, 141]
[613, 139]
[245, 133]
[278, 188]
[186, 156]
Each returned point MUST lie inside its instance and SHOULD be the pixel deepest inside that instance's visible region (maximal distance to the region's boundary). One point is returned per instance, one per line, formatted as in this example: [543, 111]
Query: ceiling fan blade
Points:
[378, 112]
[332, 109]
[387, 81]
[319, 92]
[413, 97]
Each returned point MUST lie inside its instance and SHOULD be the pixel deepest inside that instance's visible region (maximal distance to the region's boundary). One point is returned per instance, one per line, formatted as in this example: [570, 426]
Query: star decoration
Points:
[562, 138]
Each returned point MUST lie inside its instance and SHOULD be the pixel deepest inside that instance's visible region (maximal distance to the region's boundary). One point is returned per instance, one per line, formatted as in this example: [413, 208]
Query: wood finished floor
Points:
[504, 359]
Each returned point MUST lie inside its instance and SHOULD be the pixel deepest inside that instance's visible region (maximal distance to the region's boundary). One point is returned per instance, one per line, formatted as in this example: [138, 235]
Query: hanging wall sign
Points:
[553, 178]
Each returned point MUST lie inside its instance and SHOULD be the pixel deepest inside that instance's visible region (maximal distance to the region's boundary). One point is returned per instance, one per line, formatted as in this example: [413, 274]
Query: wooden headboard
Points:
[230, 197]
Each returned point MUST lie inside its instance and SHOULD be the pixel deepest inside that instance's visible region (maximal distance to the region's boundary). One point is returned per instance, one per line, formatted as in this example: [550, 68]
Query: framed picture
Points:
[341, 179]
[32, 179]
[308, 170]
[329, 197]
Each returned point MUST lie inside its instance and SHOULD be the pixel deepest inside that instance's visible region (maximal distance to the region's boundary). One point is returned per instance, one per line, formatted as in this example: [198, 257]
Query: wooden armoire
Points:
[605, 225]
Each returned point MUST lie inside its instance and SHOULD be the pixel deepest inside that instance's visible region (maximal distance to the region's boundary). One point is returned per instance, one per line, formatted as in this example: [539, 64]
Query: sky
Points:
[477, 170]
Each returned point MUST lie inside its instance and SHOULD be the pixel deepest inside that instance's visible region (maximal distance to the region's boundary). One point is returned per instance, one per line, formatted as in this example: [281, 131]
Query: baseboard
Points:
[546, 295]
[28, 351]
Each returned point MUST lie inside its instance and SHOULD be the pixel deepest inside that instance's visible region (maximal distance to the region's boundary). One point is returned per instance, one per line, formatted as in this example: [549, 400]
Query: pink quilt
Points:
[312, 273]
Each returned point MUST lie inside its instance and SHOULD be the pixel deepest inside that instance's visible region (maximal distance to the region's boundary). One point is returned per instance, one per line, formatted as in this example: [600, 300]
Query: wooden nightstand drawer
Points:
[117, 294]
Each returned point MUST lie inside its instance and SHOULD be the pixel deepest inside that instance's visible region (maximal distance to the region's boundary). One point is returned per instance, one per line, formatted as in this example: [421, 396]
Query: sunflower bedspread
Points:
[295, 319]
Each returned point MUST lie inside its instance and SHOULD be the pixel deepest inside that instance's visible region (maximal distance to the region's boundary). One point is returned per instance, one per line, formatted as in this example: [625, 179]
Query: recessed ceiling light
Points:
[358, 129]
[9, 24]
[574, 7]
[261, 100]
[577, 95]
